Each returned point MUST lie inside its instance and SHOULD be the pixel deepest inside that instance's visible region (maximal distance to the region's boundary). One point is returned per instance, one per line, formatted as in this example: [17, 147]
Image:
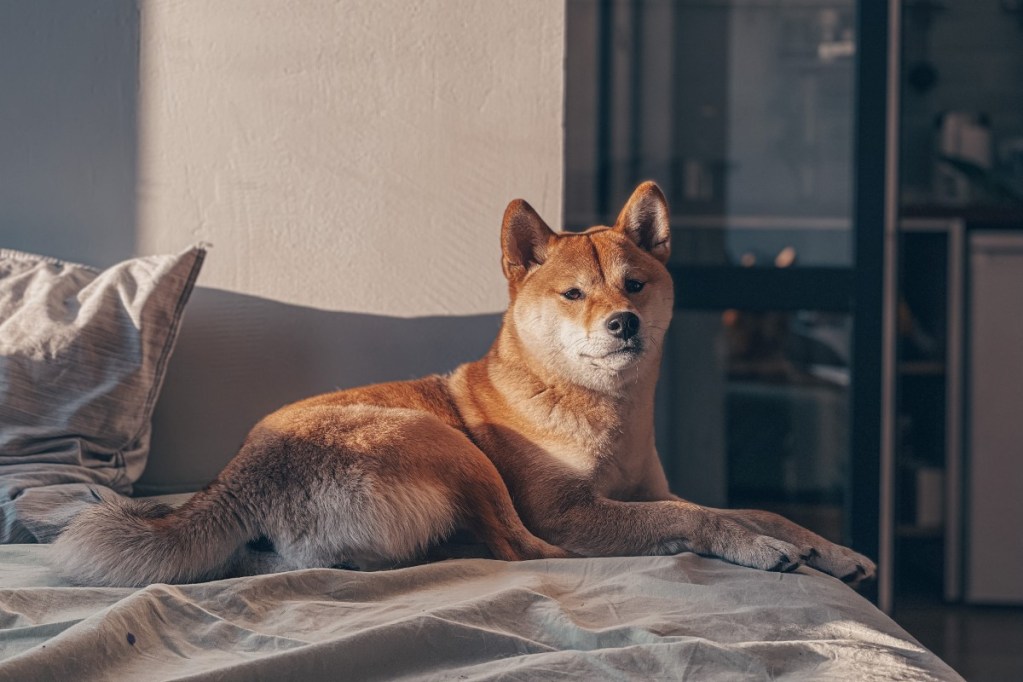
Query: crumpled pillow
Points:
[83, 354]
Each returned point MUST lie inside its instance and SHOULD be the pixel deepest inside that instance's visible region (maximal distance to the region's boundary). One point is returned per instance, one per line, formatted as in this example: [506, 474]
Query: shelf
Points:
[913, 463]
[925, 4]
[928, 452]
[922, 368]
[908, 530]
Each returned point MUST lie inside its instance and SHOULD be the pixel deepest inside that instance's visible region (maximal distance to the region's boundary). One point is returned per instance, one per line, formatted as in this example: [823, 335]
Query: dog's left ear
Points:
[644, 220]
[525, 239]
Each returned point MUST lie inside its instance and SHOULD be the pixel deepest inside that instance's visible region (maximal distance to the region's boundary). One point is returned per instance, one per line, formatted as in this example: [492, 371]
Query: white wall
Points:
[349, 155]
[349, 160]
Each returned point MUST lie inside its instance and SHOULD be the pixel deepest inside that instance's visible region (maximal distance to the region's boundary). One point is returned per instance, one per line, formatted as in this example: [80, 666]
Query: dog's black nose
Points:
[623, 325]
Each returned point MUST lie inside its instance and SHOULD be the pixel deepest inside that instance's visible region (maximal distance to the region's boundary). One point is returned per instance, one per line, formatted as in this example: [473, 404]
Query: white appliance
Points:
[994, 499]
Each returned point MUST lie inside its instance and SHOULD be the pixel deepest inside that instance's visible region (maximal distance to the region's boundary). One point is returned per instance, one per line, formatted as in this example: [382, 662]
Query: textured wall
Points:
[349, 155]
[350, 162]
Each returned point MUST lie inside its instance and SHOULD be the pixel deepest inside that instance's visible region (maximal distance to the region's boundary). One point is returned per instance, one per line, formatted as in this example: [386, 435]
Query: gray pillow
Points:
[82, 357]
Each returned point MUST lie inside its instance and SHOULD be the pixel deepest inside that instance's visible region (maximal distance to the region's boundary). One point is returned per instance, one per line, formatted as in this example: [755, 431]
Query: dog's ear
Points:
[525, 239]
[644, 220]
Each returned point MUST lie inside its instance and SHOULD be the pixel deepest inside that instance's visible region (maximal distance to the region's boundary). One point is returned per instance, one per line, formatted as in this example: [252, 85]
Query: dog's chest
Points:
[579, 437]
[614, 460]
[560, 442]
[616, 466]
[624, 469]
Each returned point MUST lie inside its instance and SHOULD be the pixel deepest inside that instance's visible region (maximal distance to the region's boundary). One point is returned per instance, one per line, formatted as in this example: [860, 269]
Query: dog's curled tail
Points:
[130, 543]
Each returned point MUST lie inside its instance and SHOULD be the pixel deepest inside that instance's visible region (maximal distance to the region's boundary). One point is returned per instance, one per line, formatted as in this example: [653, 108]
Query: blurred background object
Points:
[822, 359]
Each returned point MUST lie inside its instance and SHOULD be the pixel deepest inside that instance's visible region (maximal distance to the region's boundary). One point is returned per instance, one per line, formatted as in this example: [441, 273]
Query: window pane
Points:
[759, 412]
[742, 110]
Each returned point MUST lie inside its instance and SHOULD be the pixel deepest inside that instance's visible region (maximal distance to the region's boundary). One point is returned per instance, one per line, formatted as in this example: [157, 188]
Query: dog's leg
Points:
[376, 487]
[498, 526]
[601, 527]
[824, 555]
[467, 480]
[490, 513]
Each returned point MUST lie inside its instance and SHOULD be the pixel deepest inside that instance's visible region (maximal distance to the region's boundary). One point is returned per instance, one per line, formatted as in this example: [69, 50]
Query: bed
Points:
[83, 354]
[680, 617]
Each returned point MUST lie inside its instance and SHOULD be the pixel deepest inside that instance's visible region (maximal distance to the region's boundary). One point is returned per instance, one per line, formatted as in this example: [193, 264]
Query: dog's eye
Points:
[634, 285]
[572, 294]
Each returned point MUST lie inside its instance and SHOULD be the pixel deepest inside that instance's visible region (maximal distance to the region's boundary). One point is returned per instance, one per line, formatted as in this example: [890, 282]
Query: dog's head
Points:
[591, 307]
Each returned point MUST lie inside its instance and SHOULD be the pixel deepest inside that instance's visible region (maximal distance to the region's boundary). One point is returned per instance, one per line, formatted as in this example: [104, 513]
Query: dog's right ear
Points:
[525, 239]
[644, 220]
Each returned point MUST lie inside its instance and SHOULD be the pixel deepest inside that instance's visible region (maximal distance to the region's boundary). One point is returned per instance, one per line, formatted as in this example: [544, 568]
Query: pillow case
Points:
[82, 357]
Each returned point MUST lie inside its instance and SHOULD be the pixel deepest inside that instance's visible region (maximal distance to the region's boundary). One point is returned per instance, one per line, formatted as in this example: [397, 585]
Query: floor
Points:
[982, 643]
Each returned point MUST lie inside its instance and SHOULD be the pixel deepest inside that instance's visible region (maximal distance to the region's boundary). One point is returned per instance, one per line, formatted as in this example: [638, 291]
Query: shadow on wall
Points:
[240, 357]
[68, 128]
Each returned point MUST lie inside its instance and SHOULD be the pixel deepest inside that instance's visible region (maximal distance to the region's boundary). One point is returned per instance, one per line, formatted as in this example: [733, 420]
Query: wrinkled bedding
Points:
[466, 619]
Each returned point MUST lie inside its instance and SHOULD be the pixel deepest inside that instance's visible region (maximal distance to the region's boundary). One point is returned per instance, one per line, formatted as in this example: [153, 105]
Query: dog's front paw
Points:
[843, 563]
[767, 554]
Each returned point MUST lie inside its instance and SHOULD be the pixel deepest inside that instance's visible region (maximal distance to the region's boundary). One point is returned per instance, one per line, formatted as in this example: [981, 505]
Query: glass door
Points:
[764, 121]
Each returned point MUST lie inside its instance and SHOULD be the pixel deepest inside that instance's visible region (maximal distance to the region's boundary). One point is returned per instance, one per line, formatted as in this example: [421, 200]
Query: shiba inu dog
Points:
[543, 448]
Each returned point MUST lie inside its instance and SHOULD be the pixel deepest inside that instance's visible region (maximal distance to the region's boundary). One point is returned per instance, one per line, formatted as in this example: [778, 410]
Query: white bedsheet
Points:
[471, 619]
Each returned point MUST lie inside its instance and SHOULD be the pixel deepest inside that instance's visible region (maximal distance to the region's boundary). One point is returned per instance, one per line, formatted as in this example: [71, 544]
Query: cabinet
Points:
[929, 439]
